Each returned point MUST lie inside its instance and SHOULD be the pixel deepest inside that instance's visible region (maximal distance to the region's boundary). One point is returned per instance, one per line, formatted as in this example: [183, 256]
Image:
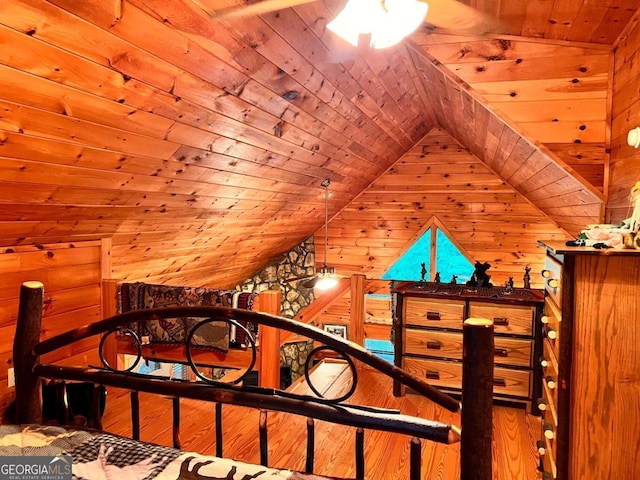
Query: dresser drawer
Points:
[552, 275]
[514, 319]
[435, 372]
[549, 390]
[513, 351]
[433, 343]
[511, 382]
[551, 325]
[508, 351]
[549, 459]
[433, 312]
[445, 374]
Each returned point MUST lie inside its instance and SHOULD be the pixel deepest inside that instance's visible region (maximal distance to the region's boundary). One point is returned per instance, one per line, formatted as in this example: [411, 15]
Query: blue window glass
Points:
[408, 266]
[449, 261]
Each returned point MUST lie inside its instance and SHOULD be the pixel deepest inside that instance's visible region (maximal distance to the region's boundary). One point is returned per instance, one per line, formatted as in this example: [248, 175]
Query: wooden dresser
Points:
[591, 387]
[428, 321]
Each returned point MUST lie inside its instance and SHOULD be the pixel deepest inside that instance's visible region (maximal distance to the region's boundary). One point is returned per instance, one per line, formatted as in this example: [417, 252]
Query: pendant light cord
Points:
[325, 183]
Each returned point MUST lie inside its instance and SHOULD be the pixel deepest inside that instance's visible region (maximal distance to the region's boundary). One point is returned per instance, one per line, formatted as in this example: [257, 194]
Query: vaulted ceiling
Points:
[198, 145]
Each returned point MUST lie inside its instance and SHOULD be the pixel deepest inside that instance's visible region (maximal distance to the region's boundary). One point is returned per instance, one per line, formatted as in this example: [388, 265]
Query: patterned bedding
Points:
[98, 456]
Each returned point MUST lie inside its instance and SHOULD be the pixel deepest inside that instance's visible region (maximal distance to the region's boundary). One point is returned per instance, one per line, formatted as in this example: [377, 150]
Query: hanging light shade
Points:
[388, 21]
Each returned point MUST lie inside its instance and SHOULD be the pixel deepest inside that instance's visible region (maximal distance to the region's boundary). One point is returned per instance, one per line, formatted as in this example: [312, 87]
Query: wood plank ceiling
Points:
[198, 146]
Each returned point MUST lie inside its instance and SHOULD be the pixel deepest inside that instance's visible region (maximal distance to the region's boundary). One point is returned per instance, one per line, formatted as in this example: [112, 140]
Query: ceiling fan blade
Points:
[248, 9]
[456, 17]
[297, 279]
[311, 282]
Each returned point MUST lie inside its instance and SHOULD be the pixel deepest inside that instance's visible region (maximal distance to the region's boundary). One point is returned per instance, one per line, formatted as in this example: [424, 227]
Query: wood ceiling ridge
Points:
[527, 147]
[390, 66]
[627, 31]
[465, 89]
[204, 28]
[337, 133]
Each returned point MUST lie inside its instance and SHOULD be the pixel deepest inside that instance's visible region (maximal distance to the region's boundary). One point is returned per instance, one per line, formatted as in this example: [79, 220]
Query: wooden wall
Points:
[439, 178]
[71, 274]
[555, 92]
[625, 160]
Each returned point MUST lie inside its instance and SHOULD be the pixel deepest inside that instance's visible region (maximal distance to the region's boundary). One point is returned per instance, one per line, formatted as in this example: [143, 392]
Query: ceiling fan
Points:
[448, 16]
[325, 277]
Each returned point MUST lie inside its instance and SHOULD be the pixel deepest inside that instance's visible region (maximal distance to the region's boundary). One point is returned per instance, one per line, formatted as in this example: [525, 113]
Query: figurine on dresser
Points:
[527, 278]
[480, 277]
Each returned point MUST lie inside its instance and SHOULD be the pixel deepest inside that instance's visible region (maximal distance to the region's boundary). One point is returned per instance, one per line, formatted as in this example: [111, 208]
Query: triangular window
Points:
[438, 252]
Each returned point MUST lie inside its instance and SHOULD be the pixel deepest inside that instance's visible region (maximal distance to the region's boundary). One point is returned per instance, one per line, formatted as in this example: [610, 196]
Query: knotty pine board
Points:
[71, 274]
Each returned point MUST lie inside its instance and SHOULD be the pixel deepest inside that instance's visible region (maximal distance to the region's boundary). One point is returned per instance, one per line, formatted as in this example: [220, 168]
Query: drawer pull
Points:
[544, 362]
[433, 316]
[542, 405]
[500, 382]
[545, 273]
[551, 383]
[544, 319]
[550, 333]
[548, 430]
[433, 374]
[542, 449]
[553, 283]
[501, 352]
[434, 344]
[501, 321]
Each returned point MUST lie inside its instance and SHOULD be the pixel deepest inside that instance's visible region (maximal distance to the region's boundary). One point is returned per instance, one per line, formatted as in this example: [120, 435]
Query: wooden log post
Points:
[28, 385]
[357, 314]
[477, 399]
[109, 309]
[269, 341]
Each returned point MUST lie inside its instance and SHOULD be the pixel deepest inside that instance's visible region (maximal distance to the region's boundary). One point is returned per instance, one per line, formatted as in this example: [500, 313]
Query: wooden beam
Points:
[357, 313]
[269, 301]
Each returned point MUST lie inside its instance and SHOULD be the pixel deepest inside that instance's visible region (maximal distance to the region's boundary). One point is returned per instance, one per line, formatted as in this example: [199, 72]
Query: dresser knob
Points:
[540, 445]
[545, 273]
[547, 428]
[544, 362]
[544, 319]
[542, 405]
[551, 383]
[553, 283]
[551, 334]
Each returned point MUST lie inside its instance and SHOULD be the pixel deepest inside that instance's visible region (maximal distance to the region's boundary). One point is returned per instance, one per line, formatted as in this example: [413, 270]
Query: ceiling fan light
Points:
[401, 17]
[352, 21]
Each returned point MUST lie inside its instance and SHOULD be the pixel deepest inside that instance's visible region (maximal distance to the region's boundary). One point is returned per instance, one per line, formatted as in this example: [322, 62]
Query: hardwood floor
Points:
[386, 454]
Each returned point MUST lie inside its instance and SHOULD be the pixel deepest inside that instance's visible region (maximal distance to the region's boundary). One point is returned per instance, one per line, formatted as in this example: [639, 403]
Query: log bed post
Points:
[269, 301]
[477, 399]
[28, 390]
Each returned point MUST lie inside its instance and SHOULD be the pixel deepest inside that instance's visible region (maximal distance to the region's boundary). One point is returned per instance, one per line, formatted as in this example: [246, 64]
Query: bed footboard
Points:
[28, 348]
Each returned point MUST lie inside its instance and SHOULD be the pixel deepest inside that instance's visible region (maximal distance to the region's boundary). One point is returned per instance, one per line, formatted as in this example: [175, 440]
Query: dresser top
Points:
[432, 289]
[560, 248]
